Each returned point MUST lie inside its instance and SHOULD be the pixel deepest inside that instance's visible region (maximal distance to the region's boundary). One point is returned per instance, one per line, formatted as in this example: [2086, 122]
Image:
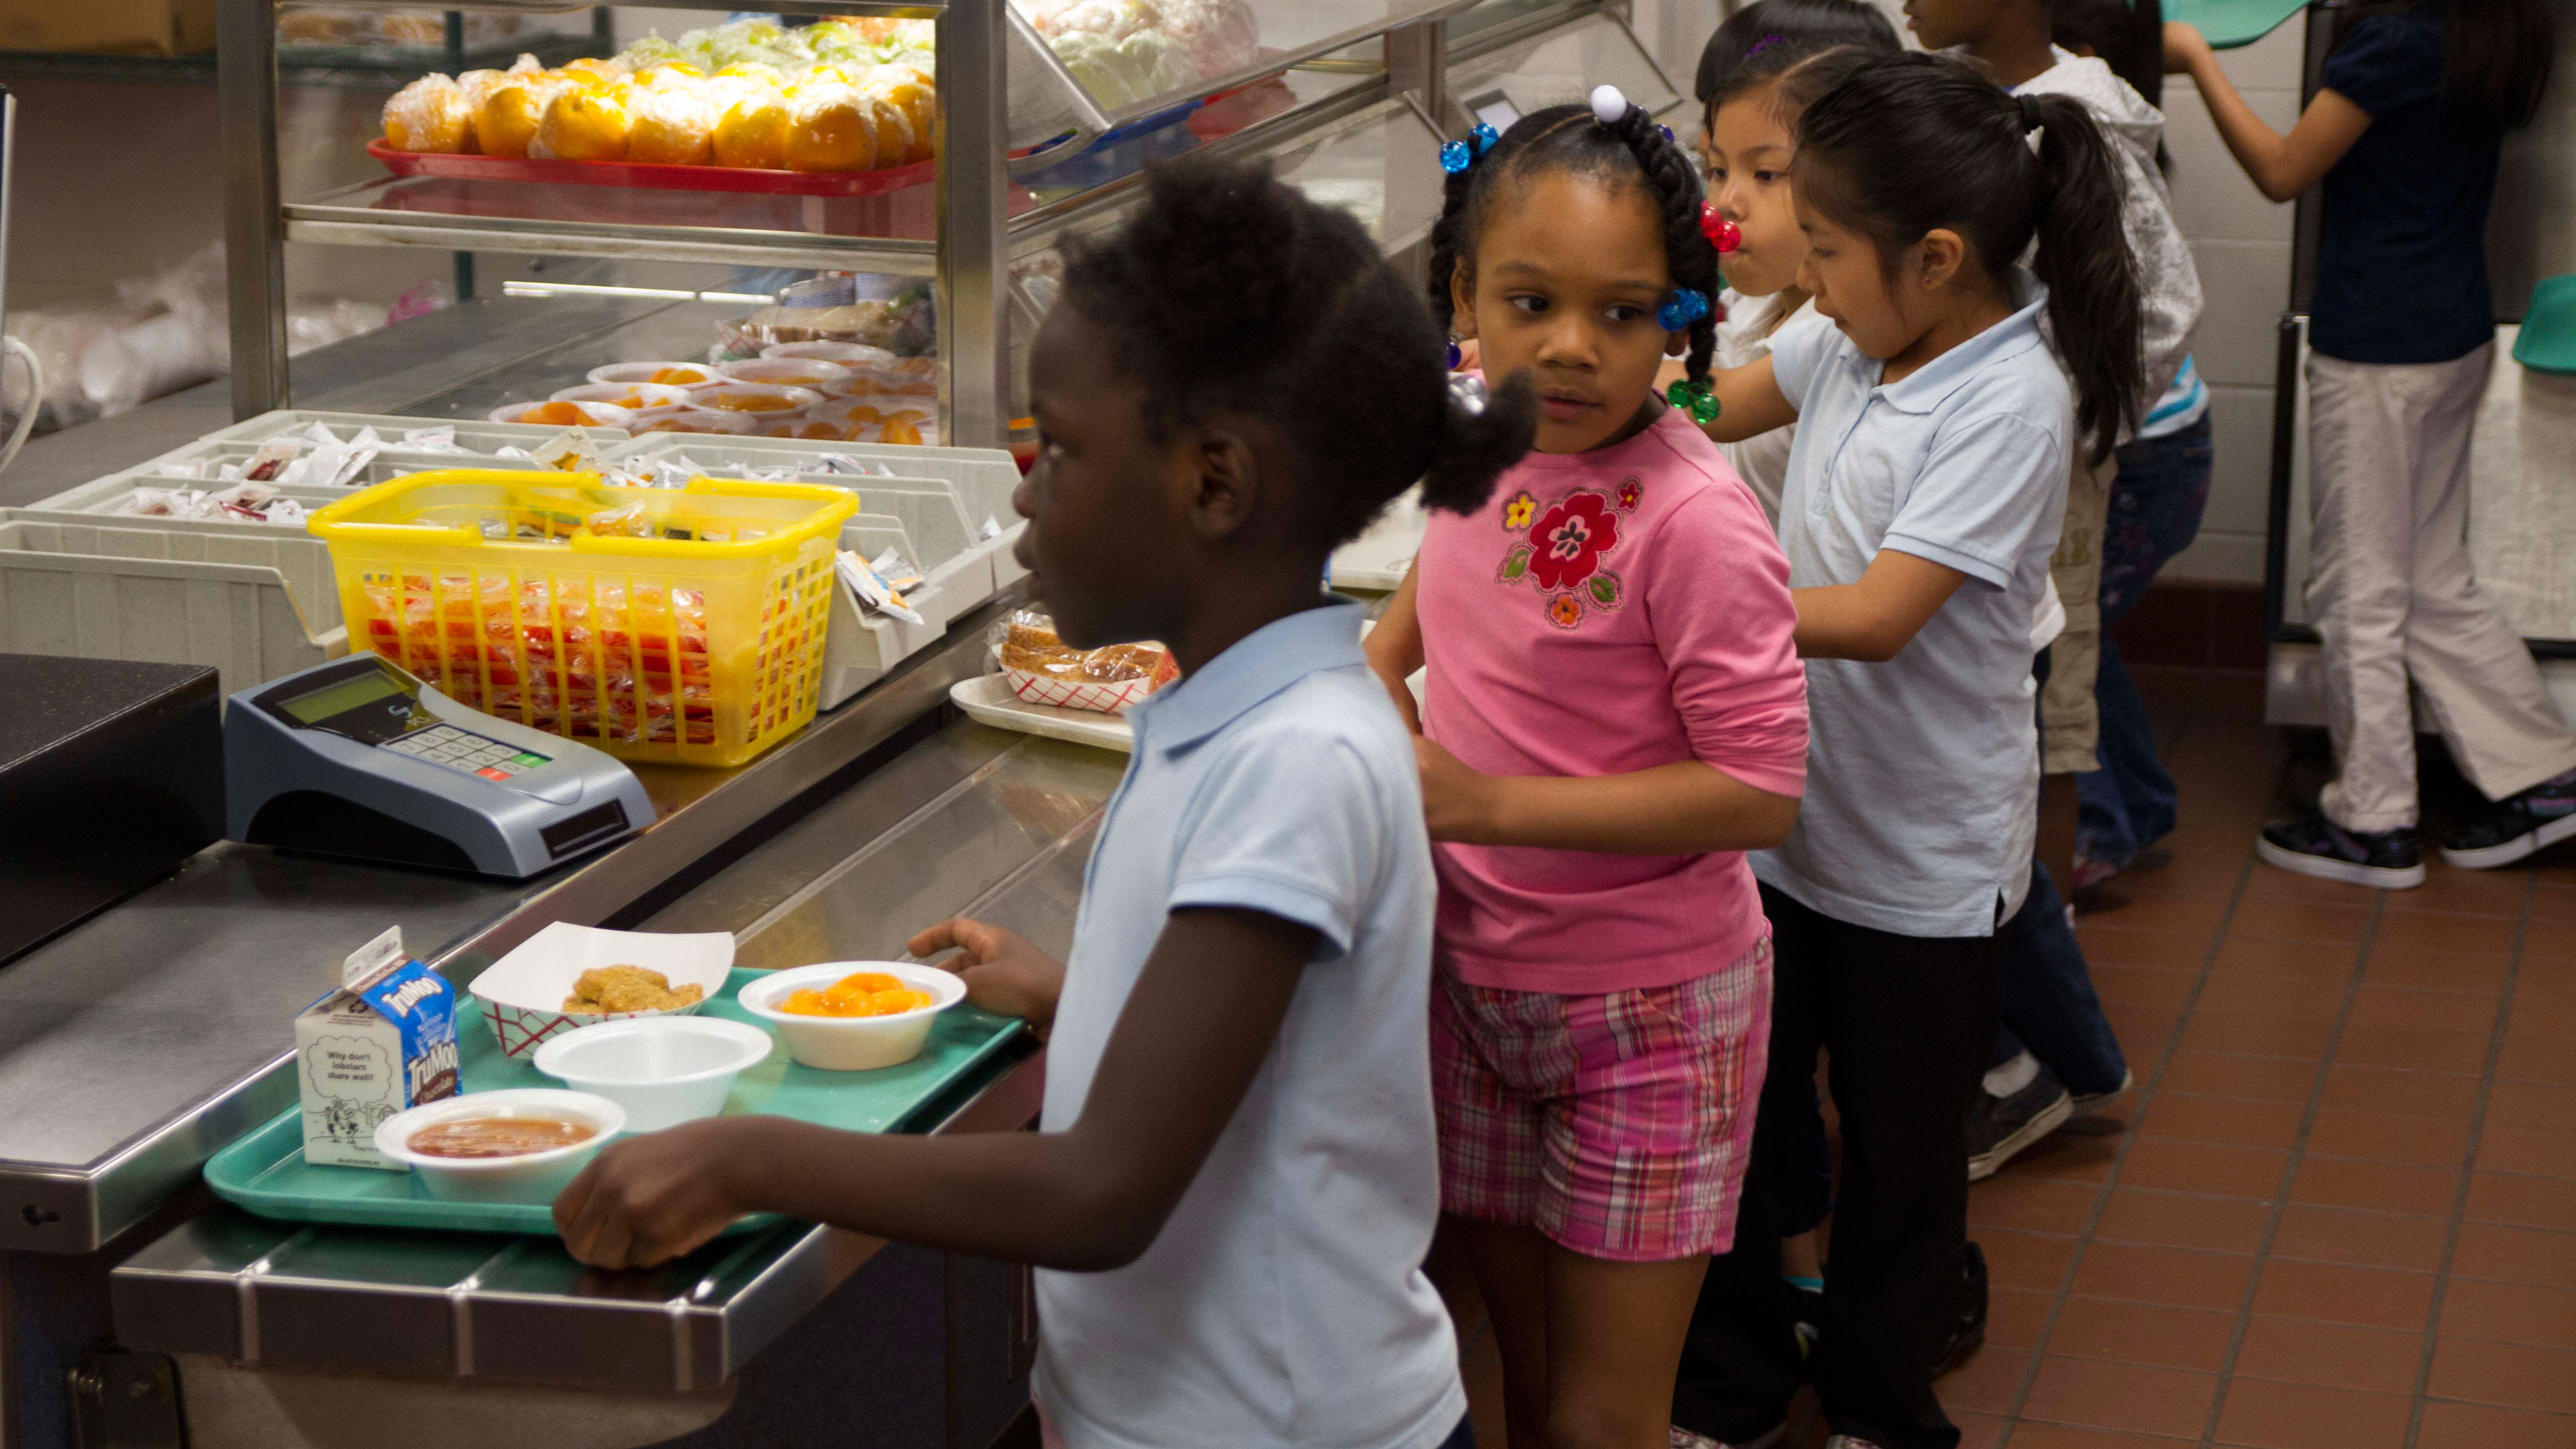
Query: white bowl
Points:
[643, 372]
[663, 1070]
[852, 1043]
[794, 400]
[652, 399]
[599, 415]
[805, 372]
[699, 420]
[844, 353]
[529, 1177]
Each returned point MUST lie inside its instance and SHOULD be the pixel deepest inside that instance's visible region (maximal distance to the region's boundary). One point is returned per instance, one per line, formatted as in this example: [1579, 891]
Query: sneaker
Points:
[2087, 1103]
[2515, 827]
[2000, 1127]
[1970, 1333]
[2090, 872]
[1684, 1439]
[2388, 860]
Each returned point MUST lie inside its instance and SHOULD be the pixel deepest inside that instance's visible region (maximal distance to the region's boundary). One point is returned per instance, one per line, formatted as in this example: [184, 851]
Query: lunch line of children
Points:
[1697, 790]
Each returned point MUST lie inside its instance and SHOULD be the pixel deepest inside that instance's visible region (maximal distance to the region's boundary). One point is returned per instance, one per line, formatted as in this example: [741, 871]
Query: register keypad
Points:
[471, 753]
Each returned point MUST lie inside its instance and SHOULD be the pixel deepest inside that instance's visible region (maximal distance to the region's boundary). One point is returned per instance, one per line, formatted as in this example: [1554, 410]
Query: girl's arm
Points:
[1874, 619]
[1684, 808]
[1394, 648]
[2281, 167]
[1094, 1196]
[1749, 400]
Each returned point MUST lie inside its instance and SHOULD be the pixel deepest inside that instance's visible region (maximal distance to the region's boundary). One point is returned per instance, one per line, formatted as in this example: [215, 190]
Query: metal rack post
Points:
[254, 240]
[974, 320]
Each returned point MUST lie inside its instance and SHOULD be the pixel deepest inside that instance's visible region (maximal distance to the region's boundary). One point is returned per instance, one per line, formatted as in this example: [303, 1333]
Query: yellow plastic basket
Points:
[675, 626]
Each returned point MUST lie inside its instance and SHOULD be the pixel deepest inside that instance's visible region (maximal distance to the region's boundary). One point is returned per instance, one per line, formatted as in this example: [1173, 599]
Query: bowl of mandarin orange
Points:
[853, 1016]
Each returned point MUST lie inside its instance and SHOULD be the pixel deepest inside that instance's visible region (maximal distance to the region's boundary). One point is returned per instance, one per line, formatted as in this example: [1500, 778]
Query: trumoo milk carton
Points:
[381, 1043]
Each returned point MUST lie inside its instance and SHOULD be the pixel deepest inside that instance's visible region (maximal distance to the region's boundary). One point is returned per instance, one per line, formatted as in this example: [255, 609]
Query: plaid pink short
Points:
[1617, 1125]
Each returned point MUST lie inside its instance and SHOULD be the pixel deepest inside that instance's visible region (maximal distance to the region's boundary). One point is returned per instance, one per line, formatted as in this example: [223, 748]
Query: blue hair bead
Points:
[1668, 133]
[1483, 137]
[1455, 157]
[1686, 306]
[1455, 356]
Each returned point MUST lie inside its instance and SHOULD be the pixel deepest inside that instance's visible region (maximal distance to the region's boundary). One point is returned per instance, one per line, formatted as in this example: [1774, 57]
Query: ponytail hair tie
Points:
[1759, 46]
[1696, 399]
[1467, 394]
[1609, 105]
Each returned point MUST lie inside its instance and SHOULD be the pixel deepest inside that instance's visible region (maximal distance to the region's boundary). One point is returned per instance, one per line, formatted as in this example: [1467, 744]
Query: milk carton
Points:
[384, 1041]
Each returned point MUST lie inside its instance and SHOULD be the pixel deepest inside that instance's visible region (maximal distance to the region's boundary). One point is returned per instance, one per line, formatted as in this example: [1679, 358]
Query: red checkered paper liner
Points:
[1077, 693]
[521, 1031]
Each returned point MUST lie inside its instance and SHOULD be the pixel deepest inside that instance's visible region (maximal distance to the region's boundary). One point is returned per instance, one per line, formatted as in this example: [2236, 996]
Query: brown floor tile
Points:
[2380, 1137]
[2191, 915]
[2527, 1149]
[2273, 1415]
[2470, 1011]
[2416, 1049]
[2527, 1202]
[2554, 896]
[2401, 931]
[2406, 1094]
[2031, 1204]
[2341, 1293]
[2547, 1013]
[2378, 1186]
[2186, 872]
[2264, 883]
[2509, 1312]
[2306, 961]
[2269, 1079]
[2292, 996]
[2142, 1030]
[2508, 1375]
[2256, 1036]
[2229, 1120]
[2030, 1434]
[2026, 1260]
[2550, 942]
[2437, 970]
[2169, 950]
[2377, 1240]
[2183, 1220]
[2147, 1333]
[2334, 925]
[2536, 1059]
[2156, 986]
[2018, 1317]
[2330, 1355]
[2067, 1156]
[1988, 1382]
[2174, 1277]
[2469, 892]
[2123, 1396]
[2248, 1172]
[2476, 1426]
[1979, 1431]
[2515, 1255]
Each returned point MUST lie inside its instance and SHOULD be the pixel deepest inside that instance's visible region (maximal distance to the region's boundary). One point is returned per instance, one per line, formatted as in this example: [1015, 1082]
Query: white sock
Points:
[2012, 1076]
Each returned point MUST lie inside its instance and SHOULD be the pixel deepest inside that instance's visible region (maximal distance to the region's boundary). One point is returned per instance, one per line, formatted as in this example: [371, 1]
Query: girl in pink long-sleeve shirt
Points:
[1615, 713]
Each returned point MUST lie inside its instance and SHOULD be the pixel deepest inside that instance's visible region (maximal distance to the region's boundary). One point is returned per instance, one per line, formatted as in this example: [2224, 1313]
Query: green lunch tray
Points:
[2231, 23]
[265, 1172]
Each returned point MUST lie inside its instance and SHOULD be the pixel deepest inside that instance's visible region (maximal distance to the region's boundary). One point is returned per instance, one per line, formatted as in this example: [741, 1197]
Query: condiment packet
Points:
[896, 570]
[273, 458]
[157, 503]
[440, 439]
[571, 451]
[244, 500]
[286, 511]
[331, 464]
[629, 520]
[992, 527]
[855, 467]
[871, 588]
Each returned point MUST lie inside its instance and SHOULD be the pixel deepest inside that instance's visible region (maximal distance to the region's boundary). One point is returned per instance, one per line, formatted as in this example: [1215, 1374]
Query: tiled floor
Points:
[2340, 1211]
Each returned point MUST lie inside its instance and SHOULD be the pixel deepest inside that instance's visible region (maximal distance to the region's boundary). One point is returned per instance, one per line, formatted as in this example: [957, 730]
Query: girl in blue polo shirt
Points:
[1234, 1182]
[2404, 135]
[1936, 432]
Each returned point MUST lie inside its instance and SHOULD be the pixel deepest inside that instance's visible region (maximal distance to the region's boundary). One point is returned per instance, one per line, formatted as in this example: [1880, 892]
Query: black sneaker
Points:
[1970, 1333]
[2388, 860]
[2000, 1127]
[2087, 1103]
[2515, 827]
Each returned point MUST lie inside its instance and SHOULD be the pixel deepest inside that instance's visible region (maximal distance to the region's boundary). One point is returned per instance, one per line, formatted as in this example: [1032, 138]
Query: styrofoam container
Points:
[763, 401]
[652, 399]
[706, 376]
[713, 421]
[903, 377]
[812, 374]
[529, 1177]
[852, 1043]
[605, 415]
[524, 991]
[844, 353]
[663, 1070]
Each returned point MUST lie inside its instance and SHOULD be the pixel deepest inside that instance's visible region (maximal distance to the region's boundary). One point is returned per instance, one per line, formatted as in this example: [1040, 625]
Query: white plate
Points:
[987, 699]
[1378, 558]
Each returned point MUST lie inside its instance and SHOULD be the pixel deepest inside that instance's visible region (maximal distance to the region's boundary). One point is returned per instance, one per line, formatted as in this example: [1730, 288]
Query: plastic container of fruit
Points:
[658, 373]
[548, 413]
[764, 401]
[701, 420]
[810, 373]
[648, 400]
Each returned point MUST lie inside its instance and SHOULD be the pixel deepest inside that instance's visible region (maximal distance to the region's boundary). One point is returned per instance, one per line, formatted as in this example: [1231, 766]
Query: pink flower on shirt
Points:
[1570, 539]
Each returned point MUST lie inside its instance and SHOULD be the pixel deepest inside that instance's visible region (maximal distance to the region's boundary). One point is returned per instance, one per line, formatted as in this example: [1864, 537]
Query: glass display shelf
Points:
[1508, 76]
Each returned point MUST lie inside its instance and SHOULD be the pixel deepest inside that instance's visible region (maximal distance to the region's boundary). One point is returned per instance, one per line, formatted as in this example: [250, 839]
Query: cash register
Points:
[360, 758]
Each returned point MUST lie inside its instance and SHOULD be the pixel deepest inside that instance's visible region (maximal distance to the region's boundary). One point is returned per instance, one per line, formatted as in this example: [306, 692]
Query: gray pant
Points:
[2392, 592]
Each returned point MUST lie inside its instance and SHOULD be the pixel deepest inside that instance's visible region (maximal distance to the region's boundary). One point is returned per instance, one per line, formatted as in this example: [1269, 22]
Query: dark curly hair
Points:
[1568, 138]
[1770, 36]
[1911, 142]
[1229, 292]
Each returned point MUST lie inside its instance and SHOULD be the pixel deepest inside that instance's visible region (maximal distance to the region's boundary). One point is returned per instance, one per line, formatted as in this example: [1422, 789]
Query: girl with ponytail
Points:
[1613, 715]
[1925, 492]
[1238, 1115]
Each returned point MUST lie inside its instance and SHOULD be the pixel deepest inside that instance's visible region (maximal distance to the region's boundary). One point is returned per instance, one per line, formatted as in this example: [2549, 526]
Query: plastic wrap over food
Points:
[673, 125]
[430, 114]
[1043, 669]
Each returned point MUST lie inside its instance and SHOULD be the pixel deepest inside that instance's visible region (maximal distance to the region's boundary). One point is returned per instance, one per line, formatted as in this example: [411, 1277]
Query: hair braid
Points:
[1687, 253]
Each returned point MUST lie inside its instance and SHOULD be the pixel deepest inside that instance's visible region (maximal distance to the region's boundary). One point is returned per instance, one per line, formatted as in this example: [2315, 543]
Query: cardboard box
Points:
[157, 27]
[383, 1042]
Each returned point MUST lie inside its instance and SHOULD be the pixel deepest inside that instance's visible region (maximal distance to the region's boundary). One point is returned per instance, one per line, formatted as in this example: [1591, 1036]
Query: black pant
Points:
[1907, 1022]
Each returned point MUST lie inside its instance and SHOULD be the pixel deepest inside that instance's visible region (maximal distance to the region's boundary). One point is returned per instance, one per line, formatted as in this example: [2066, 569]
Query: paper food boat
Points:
[523, 992]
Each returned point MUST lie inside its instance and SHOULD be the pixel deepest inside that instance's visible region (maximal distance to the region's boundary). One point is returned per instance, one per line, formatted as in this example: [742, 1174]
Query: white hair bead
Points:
[1608, 105]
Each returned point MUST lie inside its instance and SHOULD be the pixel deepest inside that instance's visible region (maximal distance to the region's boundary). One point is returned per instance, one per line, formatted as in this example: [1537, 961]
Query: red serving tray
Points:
[656, 177]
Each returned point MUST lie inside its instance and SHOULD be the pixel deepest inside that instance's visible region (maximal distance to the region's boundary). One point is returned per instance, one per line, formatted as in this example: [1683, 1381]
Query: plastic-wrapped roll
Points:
[831, 127]
[1121, 73]
[672, 125]
[897, 139]
[585, 123]
[430, 114]
[912, 92]
[507, 122]
[753, 131]
[1109, 19]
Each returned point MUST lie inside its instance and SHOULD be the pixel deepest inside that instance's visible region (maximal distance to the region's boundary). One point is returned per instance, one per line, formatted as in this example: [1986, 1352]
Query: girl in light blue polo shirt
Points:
[1936, 428]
